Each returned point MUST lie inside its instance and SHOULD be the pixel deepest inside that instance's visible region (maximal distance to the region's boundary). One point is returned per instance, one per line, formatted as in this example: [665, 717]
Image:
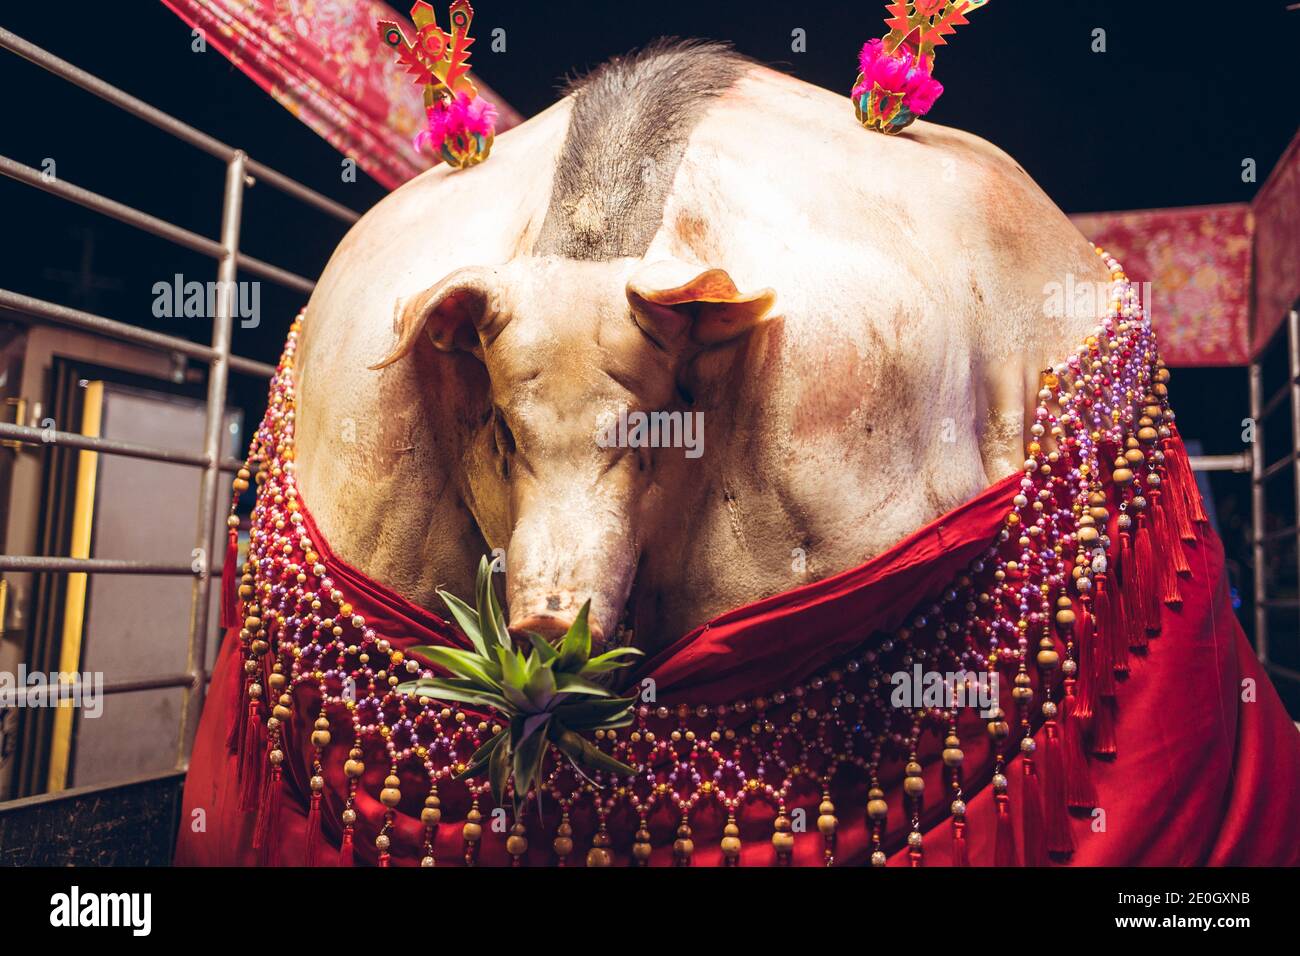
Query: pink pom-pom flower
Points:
[899, 74]
[460, 129]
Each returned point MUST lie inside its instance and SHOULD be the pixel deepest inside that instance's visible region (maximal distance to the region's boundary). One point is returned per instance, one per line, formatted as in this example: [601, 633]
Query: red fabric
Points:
[324, 62]
[1198, 259]
[1277, 246]
[1193, 782]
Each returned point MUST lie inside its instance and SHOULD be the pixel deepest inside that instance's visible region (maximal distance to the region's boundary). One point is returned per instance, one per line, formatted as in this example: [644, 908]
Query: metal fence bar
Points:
[110, 446]
[1281, 532]
[111, 208]
[1277, 398]
[1278, 466]
[147, 223]
[42, 695]
[1239, 462]
[123, 332]
[239, 172]
[168, 124]
[283, 276]
[44, 563]
[1257, 511]
[222, 323]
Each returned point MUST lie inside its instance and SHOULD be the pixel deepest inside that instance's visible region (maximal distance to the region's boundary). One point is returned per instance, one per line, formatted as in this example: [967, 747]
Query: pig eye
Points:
[502, 437]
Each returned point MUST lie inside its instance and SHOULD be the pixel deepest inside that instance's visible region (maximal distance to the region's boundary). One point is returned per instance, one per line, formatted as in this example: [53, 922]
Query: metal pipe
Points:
[210, 489]
[147, 223]
[110, 446]
[1277, 670]
[39, 696]
[167, 123]
[283, 276]
[299, 191]
[43, 564]
[1277, 398]
[1257, 511]
[1279, 466]
[111, 208]
[1239, 462]
[29, 307]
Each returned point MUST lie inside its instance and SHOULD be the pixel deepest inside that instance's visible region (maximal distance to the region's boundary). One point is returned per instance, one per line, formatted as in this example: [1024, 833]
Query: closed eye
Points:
[503, 439]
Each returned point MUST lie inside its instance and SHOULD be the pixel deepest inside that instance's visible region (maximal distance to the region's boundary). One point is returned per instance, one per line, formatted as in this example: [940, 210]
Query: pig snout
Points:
[555, 618]
[563, 553]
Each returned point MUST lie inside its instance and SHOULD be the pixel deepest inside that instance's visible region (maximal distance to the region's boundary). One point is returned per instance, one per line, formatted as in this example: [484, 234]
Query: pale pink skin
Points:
[890, 383]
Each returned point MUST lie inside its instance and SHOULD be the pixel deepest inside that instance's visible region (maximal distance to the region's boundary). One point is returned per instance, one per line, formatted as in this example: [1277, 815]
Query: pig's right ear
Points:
[452, 313]
[675, 303]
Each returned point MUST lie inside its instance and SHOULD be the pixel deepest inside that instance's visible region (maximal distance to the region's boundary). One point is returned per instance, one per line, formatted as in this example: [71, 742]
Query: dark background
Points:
[1165, 117]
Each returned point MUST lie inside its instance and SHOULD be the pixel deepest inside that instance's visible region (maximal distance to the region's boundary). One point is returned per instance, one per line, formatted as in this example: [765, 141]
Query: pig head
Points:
[570, 348]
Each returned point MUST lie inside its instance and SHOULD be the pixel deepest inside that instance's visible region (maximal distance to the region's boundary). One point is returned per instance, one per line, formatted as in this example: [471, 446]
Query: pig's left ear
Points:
[452, 313]
[675, 303]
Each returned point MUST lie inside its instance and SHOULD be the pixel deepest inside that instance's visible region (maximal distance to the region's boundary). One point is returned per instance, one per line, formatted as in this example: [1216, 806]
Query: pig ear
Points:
[450, 312]
[675, 303]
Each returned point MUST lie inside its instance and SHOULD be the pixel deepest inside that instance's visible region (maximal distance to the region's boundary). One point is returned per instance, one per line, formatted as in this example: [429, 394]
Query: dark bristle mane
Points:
[628, 130]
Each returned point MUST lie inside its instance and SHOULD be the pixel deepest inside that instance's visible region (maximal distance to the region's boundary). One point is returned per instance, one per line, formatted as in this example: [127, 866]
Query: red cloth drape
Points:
[1198, 259]
[1205, 744]
[324, 62]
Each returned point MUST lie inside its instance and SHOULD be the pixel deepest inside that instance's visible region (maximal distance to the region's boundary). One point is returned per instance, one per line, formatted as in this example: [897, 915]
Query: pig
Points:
[856, 322]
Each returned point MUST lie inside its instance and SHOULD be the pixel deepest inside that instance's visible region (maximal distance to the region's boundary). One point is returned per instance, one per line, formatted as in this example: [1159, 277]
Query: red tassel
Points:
[959, 854]
[240, 712]
[1106, 627]
[1079, 791]
[267, 807]
[1169, 552]
[1144, 584]
[1103, 728]
[314, 836]
[346, 856]
[1004, 835]
[230, 583]
[1031, 813]
[251, 757]
[1056, 814]
[1082, 689]
[1179, 487]
[1124, 606]
[1187, 481]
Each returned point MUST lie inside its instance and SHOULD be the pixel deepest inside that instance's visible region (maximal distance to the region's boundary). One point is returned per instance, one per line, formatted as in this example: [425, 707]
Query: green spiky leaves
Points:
[550, 695]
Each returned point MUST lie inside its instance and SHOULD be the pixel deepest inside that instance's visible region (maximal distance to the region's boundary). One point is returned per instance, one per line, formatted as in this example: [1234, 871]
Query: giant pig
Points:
[859, 319]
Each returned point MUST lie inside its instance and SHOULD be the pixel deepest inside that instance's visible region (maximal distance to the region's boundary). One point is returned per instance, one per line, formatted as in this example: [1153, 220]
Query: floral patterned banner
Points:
[1197, 260]
[323, 60]
[1277, 245]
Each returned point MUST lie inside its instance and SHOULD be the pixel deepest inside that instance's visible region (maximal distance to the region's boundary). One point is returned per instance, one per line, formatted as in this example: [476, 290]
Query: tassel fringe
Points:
[1079, 791]
[1103, 728]
[314, 836]
[1055, 812]
[1004, 836]
[230, 582]
[1031, 814]
[959, 854]
[251, 758]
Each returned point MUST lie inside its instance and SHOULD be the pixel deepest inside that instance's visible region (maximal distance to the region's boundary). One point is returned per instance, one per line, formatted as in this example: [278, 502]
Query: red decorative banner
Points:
[323, 60]
[1277, 245]
[1197, 260]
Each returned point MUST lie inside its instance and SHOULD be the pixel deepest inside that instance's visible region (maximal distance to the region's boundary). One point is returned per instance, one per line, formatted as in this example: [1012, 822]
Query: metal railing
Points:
[1261, 473]
[240, 172]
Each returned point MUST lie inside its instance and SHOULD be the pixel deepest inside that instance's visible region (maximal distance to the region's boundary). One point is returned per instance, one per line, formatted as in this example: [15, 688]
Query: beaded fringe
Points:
[1131, 537]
